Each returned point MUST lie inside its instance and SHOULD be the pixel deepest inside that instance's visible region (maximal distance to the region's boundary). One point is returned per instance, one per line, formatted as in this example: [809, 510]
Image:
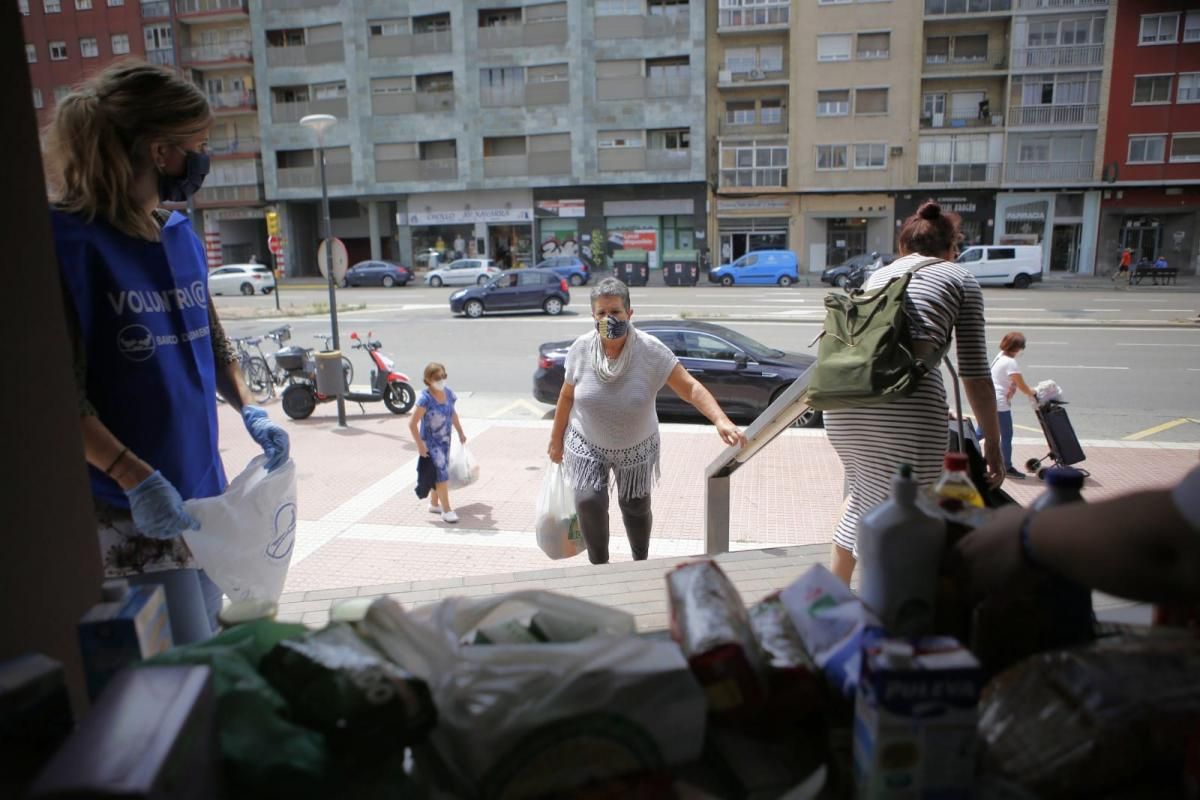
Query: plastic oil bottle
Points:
[900, 552]
[955, 491]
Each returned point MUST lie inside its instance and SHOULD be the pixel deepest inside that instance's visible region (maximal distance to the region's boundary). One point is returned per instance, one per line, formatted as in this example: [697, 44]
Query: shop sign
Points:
[1025, 216]
[752, 204]
[959, 205]
[472, 215]
[559, 208]
[635, 240]
[239, 213]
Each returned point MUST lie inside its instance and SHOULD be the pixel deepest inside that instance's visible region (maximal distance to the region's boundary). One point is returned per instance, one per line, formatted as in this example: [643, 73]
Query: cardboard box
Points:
[131, 625]
[915, 719]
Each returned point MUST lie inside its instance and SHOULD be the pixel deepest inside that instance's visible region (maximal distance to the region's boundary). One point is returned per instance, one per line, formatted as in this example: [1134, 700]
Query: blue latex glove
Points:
[157, 509]
[270, 437]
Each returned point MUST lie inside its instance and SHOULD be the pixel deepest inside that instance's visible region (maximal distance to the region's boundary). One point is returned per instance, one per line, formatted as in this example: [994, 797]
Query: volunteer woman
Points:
[150, 353]
[606, 421]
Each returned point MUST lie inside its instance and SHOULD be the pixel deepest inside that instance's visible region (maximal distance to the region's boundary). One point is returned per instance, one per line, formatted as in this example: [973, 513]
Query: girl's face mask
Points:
[439, 385]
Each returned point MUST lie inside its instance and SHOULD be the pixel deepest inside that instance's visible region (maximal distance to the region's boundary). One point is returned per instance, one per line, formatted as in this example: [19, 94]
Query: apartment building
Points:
[1010, 119]
[1151, 199]
[208, 40]
[499, 129]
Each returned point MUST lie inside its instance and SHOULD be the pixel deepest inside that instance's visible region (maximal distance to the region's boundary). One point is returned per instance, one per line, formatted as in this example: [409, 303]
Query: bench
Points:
[1166, 276]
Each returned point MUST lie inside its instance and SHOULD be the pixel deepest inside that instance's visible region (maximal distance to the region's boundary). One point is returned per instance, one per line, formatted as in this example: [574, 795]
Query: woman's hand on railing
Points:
[731, 434]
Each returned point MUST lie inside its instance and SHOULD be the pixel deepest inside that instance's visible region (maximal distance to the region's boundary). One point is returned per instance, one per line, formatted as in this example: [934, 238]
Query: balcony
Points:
[950, 124]
[755, 78]
[1087, 55]
[301, 5]
[235, 52]
[638, 159]
[232, 102]
[414, 170]
[295, 111]
[210, 10]
[247, 145]
[530, 34]
[161, 57]
[947, 8]
[548, 93]
[959, 174]
[748, 19]
[1060, 5]
[750, 177]
[651, 26]
[638, 87]
[1049, 116]
[220, 195]
[759, 128]
[555, 162]
[1047, 171]
[410, 44]
[306, 55]
[395, 104]
[156, 9]
[310, 177]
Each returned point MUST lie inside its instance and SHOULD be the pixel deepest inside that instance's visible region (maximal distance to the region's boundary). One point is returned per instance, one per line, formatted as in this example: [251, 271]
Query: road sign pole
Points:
[276, 248]
[333, 320]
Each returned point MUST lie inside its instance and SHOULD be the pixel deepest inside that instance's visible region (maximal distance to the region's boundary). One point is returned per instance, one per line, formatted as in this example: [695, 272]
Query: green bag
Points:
[867, 355]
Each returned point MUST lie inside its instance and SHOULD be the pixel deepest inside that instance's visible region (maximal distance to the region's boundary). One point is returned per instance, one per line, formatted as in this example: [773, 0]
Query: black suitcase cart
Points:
[1065, 449]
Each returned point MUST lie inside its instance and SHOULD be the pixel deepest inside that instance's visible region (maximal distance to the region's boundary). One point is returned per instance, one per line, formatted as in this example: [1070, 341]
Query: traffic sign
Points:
[341, 260]
[275, 244]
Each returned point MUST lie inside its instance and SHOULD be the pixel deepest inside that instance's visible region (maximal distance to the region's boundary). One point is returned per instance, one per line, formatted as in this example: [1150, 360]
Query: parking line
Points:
[1166, 426]
[1072, 366]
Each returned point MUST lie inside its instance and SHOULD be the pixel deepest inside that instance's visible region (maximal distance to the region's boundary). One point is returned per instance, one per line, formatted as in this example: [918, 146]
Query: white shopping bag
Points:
[461, 467]
[247, 534]
[533, 720]
[555, 520]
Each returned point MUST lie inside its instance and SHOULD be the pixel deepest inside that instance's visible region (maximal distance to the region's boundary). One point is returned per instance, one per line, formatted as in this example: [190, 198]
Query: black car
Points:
[854, 272]
[377, 273]
[744, 376]
[516, 290]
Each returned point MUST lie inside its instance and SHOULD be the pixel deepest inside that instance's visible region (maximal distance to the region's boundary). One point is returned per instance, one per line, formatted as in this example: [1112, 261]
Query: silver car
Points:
[244, 278]
[463, 272]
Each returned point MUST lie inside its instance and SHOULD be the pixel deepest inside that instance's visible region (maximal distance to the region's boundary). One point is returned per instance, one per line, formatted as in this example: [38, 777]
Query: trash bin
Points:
[632, 267]
[331, 381]
[681, 267]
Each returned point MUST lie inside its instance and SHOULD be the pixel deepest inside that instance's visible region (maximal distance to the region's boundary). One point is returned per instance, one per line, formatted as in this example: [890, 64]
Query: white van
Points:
[1004, 265]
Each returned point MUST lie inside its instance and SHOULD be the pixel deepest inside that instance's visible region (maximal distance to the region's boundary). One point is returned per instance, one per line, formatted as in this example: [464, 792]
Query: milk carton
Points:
[915, 717]
[130, 624]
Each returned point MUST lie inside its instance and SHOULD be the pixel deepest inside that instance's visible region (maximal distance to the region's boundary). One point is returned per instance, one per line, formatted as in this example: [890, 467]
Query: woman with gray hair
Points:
[606, 422]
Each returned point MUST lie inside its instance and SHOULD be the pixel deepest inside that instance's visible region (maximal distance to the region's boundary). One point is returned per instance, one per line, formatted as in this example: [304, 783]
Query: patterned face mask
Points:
[612, 328]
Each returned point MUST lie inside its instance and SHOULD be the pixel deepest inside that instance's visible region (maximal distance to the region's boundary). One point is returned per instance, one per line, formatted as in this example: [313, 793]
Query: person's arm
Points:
[414, 428]
[1022, 386]
[981, 395]
[1138, 546]
[105, 452]
[230, 383]
[562, 415]
[975, 369]
[462, 437]
[691, 390]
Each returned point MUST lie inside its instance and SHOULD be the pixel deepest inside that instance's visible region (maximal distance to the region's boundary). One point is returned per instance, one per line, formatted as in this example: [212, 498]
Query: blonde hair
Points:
[432, 370]
[96, 144]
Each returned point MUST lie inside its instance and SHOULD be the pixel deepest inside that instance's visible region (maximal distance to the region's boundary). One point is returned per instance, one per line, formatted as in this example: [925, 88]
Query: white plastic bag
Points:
[1047, 391]
[462, 468]
[555, 519]
[527, 720]
[247, 534]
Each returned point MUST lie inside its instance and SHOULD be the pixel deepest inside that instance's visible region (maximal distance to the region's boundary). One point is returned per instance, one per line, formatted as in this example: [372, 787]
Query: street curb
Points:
[242, 314]
[1193, 324]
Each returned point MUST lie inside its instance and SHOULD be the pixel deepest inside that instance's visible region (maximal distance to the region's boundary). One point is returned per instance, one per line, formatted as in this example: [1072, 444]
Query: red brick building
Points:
[1152, 143]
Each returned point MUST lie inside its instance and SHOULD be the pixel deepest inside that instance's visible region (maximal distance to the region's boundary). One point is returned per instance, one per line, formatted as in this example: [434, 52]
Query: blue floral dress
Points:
[436, 427]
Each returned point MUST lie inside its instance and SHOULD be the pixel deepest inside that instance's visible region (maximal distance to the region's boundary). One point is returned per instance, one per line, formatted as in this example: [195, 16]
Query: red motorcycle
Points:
[301, 397]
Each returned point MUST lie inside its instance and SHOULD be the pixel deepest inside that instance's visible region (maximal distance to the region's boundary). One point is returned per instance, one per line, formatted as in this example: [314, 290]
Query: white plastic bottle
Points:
[900, 551]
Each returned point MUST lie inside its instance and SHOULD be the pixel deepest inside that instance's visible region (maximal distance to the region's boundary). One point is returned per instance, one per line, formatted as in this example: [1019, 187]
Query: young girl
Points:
[430, 428]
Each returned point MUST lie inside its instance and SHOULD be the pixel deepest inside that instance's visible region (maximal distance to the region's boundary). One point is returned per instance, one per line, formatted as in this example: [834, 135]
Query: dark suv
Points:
[516, 290]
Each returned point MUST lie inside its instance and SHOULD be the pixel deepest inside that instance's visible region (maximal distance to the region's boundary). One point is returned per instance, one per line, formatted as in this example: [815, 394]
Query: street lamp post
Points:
[321, 123]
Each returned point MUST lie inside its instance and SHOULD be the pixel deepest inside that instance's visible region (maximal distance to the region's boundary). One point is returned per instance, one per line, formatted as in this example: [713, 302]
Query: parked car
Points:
[517, 290]
[744, 375]
[762, 267]
[574, 269]
[1004, 265]
[244, 278]
[463, 272]
[428, 258]
[377, 273]
[852, 273]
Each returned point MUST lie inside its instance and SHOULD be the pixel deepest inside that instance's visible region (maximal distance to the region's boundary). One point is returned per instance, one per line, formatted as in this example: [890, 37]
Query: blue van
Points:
[760, 268]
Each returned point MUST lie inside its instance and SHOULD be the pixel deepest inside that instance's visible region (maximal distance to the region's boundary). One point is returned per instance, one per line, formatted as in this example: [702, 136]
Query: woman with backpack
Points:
[943, 300]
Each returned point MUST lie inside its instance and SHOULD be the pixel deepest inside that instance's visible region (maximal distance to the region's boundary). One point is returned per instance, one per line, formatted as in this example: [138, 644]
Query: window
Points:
[1185, 147]
[833, 2]
[871, 155]
[393, 27]
[52, 6]
[612, 140]
[772, 112]
[937, 50]
[970, 49]
[1002, 253]
[1152, 89]
[750, 59]
[158, 37]
[1043, 33]
[833, 103]
[502, 86]
[116, 2]
[60, 93]
[1146, 149]
[870, 101]
[1159, 29]
[739, 113]
[754, 164]
[88, 48]
[1034, 150]
[1189, 88]
[23, 6]
[31, 53]
[1191, 27]
[120, 43]
[37, 98]
[618, 8]
[873, 46]
[58, 51]
[670, 139]
[831, 156]
[83, 5]
[835, 47]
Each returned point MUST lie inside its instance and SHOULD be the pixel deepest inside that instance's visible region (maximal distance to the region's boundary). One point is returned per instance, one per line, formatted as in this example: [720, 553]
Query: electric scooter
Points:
[301, 397]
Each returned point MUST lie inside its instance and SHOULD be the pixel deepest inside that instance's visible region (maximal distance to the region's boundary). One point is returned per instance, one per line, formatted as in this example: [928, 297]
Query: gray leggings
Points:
[592, 507]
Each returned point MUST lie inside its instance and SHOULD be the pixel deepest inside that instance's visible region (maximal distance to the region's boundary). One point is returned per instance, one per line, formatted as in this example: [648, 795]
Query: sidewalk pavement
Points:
[362, 531]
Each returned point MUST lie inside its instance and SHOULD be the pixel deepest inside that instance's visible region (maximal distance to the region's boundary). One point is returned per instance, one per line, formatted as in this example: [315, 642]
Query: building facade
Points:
[505, 130]
[1151, 199]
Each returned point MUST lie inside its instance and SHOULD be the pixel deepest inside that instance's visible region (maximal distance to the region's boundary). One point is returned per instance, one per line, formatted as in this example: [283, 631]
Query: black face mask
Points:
[177, 189]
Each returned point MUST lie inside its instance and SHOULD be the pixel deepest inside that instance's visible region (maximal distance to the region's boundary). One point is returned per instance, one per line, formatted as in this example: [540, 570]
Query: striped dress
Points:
[943, 300]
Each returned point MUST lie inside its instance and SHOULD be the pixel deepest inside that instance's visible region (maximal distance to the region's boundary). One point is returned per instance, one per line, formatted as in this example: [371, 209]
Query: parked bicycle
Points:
[255, 372]
[262, 379]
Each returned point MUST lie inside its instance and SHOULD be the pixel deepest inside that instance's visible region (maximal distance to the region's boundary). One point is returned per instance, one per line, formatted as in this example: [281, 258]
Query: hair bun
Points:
[929, 210]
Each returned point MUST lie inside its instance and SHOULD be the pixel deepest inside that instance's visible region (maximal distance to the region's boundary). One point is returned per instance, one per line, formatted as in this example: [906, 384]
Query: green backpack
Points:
[867, 355]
